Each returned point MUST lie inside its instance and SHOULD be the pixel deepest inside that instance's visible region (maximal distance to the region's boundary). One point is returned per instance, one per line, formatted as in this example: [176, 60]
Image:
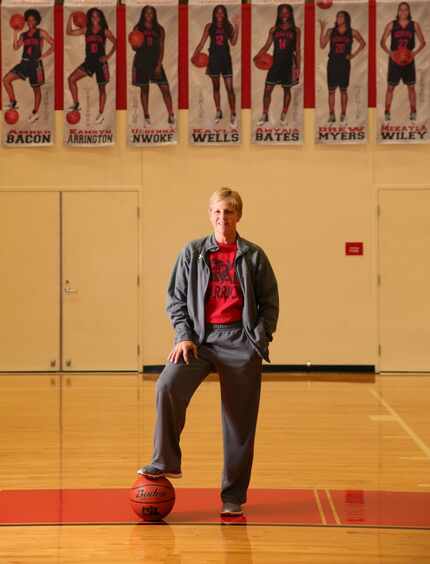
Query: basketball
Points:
[264, 61]
[325, 4]
[17, 22]
[11, 116]
[402, 56]
[136, 39]
[79, 19]
[73, 117]
[201, 60]
[152, 499]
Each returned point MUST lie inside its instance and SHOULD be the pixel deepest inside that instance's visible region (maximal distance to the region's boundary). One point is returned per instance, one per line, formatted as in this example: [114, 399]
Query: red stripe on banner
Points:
[121, 59]
[309, 56]
[59, 56]
[246, 55]
[1, 74]
[183, 57]
[372, 54]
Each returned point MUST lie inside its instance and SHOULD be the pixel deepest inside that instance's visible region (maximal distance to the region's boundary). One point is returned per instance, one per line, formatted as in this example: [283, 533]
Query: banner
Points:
[403, 60]
[341, 81]
[214, 47]
[89, 73]
[27, 59]
[277, 72]
[152, 72]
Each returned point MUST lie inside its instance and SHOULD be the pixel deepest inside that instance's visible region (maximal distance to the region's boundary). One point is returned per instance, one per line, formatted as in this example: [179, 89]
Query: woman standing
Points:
[402, 32]
[285, 69]
[148, 62]
[341, 38]
[222, 33]
[96, 33]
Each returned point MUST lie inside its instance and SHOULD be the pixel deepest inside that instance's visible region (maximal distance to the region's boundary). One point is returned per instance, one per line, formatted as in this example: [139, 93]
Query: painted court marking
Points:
[320, 509]
[416, 439]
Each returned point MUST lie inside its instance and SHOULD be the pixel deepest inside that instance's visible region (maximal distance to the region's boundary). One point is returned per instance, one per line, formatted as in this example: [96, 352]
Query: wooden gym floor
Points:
[341, 472]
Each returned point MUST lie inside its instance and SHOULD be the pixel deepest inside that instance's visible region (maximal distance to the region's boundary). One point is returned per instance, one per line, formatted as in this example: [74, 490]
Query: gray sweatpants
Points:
[226, 350]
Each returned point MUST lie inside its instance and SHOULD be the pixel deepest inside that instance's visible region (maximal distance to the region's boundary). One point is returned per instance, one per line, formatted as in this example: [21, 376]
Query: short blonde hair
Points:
[225, 193]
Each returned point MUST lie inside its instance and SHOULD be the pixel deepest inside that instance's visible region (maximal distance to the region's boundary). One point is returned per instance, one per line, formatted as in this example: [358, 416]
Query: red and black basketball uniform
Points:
[339, 65]
[224, 297]
[95, 48]
[146, 59]
[31, 65]
[219, 51]
[284, 56]
[402, 38]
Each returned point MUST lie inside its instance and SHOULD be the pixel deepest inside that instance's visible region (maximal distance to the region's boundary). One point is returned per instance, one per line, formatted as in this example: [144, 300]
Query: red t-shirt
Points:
[224, 298]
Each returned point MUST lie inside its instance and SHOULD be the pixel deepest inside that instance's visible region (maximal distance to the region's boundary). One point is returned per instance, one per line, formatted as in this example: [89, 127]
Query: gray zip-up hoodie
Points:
[189, 281]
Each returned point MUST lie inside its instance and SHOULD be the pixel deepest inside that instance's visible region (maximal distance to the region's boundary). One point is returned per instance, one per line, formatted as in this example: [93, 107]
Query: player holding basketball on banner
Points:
[341, 38]
[222, 33]
[285, 70]
[401, 64]
[96, 33]
[148, 45]
[31, 66]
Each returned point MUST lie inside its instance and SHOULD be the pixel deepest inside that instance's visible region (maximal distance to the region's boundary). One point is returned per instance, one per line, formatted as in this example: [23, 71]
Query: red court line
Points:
[201, 505]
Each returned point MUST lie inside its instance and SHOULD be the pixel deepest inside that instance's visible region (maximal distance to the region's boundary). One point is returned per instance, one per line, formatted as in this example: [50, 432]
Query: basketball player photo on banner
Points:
[27, 63]
[341, 71]
[214, 46]
[152, 72]
[403, 69]
[89, 73]
[277, 72]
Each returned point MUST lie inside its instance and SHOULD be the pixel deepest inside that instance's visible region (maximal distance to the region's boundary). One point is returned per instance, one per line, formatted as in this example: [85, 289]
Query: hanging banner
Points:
[341, 40]
[152, 72]
[27, 62]
[403, 61]
[277, 72]
[214, 47]
[89, 73]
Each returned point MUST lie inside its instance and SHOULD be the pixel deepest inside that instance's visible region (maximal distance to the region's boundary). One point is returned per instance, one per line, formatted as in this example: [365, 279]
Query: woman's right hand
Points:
[186, 349]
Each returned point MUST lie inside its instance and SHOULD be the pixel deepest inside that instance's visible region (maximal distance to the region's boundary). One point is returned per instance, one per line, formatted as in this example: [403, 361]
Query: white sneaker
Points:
[218, 116]
[33, 117]
[99, 119]
[284, 118]
[147, 121]
[233, 121]
[264, 118]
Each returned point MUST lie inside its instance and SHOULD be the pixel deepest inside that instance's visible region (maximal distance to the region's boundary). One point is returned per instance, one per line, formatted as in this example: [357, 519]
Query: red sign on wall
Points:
[354, 248]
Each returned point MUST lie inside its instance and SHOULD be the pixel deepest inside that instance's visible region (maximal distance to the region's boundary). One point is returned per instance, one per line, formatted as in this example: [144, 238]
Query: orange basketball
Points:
[79, 19]
[17, 22]
[264, 61]
[201, 60]
[136, 39]
[325, 4]
[11, 116]
[402, 56]
[152, 499]
[73, 117]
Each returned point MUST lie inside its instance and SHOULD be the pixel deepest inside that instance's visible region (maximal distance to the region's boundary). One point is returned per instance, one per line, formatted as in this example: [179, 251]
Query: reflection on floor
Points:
[200, 506]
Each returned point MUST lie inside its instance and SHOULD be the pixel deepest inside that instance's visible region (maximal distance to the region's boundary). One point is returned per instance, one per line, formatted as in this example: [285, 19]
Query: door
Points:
[29, 281]
[100, 281]
[404, 268]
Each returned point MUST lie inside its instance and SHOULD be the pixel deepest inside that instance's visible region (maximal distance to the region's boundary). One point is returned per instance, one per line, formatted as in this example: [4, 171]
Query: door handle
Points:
[68, 290]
